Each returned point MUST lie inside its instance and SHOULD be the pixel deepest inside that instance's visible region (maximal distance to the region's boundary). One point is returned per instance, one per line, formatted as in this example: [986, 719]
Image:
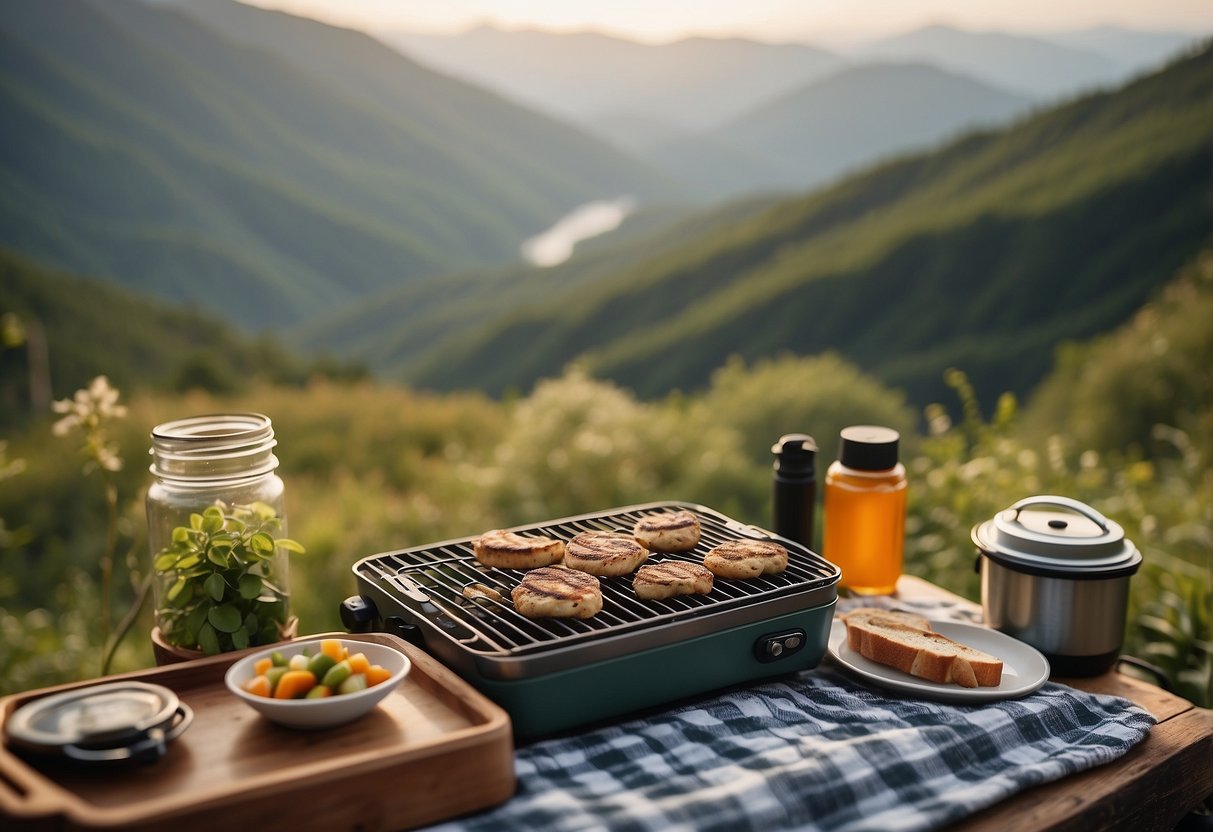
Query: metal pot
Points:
[1057, 580]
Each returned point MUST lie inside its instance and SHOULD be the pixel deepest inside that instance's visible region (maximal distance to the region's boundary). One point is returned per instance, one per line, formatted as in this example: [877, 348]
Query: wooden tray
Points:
[434, 749]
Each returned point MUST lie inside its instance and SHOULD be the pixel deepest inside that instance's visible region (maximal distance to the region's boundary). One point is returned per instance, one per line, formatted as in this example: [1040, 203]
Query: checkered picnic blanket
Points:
[818, 750]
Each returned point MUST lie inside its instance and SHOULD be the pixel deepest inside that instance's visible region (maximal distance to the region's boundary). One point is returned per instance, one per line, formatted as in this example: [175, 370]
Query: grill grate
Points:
[429, 582]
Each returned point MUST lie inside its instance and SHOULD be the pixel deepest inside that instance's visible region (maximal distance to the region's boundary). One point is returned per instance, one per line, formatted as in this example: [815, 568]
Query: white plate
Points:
[1024, 669]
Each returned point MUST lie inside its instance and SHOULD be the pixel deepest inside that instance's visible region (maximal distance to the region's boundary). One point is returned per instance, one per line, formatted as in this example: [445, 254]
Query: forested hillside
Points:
[984, 255]
[64, 330]
[266, 182]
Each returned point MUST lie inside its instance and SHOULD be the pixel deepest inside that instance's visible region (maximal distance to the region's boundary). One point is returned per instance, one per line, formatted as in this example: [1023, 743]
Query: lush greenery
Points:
[986, 254]
[255, 155]
[148, 343]
[221, 591]
[370, 468]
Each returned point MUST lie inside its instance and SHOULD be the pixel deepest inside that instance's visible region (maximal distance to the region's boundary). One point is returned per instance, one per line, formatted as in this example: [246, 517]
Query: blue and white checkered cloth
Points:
[816, 751]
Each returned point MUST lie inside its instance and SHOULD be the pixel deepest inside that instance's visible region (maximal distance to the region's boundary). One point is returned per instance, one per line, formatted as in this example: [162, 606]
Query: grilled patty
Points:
[553, 592]
[671, 531]
[604, 553]
[509, 550]
[656, 581]
[746, 559]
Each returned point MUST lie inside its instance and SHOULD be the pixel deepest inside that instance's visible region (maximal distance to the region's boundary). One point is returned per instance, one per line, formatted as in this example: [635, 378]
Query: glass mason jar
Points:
[217, 533]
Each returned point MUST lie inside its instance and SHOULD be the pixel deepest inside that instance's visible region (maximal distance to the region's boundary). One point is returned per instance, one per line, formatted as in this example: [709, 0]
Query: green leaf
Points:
[196, 521]
[240, 638]
[264, 510]
[175, 590]
[208, 639]
[181, 534]
[219, 557]
[212, 521]
[262, 544]
[215, 586]
[224, 618]
[290, 545]
[165, 562]
[250, 587]
[189, 561]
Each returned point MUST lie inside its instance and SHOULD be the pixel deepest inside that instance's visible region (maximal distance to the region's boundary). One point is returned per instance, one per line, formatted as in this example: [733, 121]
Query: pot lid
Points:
[1034, 532]
[114, 721]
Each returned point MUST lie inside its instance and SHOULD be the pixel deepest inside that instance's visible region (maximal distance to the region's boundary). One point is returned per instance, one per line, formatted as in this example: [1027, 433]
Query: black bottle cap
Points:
[794, 453]
[868, 447]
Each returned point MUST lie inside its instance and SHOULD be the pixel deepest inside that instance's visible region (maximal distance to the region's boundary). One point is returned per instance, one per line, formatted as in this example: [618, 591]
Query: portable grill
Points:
[551, 674]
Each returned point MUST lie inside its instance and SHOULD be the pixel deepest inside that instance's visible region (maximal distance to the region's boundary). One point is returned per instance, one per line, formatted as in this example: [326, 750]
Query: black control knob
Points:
[358, 614]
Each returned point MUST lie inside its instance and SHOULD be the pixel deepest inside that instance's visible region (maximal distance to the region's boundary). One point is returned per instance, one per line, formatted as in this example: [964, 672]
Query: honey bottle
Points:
[865, 510]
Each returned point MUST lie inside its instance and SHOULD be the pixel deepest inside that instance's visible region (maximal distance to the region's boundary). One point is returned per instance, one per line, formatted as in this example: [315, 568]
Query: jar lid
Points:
[101, 723]
[1077, 541]
[868, 447]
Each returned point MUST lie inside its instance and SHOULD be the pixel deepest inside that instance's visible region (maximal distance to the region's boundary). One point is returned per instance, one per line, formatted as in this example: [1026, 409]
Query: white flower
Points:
[91, 409]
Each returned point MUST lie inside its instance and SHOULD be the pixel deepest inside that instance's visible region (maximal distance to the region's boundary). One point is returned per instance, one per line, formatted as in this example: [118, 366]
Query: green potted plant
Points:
[222, 580]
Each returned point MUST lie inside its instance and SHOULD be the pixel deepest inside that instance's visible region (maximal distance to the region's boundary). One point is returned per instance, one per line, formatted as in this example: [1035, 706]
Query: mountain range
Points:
[984, 255]
[281, 174]
[731, 115]
[267, 182]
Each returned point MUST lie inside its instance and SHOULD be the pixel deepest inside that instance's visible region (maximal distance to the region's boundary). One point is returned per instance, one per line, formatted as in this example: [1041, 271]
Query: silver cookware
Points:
[1055, 574]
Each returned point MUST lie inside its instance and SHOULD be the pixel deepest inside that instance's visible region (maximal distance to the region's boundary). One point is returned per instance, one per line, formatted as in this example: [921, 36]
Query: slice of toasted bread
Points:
[922, 652]
[861, 615]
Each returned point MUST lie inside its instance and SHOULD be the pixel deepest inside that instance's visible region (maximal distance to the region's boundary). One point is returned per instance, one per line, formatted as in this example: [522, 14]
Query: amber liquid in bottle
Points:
[865, 511]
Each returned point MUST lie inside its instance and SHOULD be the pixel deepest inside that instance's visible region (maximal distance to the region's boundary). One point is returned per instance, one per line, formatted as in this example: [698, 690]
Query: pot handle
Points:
[151, 745]
[1062, 502]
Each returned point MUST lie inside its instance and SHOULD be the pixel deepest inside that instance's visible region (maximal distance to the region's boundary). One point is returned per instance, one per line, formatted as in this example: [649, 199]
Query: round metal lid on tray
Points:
[103, 723]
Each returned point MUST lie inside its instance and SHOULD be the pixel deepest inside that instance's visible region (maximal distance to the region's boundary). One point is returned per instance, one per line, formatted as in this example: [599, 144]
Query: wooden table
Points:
[1151, 788]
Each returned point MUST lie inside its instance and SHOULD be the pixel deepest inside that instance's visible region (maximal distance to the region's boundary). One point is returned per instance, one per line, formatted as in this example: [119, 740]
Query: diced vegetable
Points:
[312, 674]
[259, 686]
[294, 684]
[358, 663]
[320, 664]
[376, 674]
[274, 674]
[333, 648]
[353, 684]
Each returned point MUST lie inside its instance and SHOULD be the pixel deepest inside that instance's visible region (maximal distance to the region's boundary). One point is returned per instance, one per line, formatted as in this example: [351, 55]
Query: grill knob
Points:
[774, 646]
[358, 614]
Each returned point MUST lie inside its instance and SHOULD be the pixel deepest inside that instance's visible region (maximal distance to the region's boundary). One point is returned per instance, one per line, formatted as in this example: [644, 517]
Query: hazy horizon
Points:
[830, 22]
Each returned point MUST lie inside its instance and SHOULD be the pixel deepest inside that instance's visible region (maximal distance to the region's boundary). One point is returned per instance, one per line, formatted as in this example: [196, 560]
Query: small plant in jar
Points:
[219, 591]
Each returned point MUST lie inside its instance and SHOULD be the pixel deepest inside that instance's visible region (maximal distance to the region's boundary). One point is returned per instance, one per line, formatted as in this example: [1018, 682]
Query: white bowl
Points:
[319, 713]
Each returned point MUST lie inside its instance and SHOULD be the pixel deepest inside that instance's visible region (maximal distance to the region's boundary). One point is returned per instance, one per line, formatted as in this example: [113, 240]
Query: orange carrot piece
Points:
[258, 685]
[359, 663]
[263, 665]
[295, 684]
[332, 648]
[376, 674]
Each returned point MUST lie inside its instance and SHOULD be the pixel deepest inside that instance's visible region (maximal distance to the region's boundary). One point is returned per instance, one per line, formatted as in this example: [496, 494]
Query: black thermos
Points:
[795, 487]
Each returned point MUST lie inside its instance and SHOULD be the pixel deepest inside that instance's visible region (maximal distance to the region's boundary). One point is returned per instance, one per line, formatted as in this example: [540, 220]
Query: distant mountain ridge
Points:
[690, 106]
[983, 255]
[846, 121]
[176, 157]
[595, 79]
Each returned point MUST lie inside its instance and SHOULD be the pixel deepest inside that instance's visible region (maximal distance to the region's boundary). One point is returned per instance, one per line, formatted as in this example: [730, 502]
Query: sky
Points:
[772, 20]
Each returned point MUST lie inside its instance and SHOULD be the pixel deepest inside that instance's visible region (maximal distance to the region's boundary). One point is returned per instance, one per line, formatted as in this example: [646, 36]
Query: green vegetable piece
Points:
[337, 674]
[319, 692]
[353, 684]
[274, 674]
[320, 664]
[277, 659]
